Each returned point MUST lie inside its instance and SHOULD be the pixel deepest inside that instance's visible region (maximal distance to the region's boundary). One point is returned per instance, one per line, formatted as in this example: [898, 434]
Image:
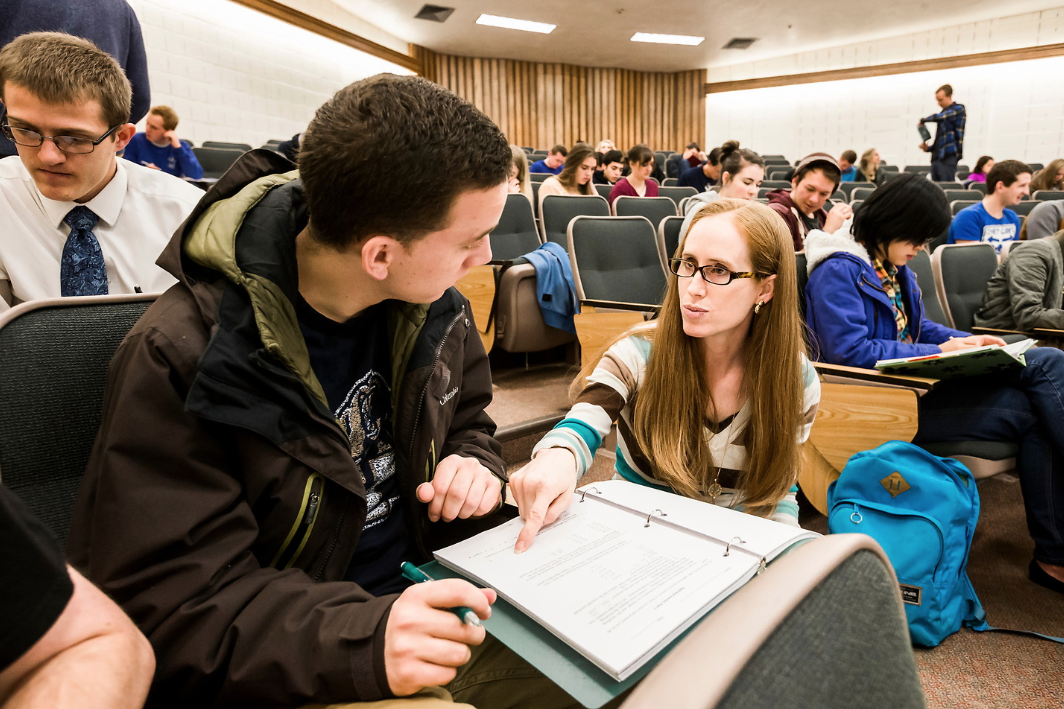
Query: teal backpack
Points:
[922, 510]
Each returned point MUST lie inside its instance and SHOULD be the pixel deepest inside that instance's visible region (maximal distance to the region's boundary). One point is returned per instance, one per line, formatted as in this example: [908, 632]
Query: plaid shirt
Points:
[888, 278]
[949, 138]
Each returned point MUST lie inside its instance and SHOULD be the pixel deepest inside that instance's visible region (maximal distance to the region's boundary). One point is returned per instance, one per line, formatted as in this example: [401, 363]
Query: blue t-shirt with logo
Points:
[974, 223]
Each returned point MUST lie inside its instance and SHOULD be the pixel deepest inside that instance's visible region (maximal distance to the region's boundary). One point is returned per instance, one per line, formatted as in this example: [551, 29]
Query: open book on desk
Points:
[624, 571]
[961, 363]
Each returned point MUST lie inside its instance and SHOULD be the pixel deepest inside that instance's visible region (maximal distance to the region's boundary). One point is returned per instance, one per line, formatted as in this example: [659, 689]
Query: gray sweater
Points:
[1026, 290]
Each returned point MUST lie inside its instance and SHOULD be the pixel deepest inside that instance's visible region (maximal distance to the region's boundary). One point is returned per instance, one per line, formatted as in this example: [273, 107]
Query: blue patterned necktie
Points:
[82, 270]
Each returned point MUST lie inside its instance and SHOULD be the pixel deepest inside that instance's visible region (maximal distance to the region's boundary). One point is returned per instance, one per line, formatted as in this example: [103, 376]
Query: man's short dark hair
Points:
[849, 156]
[559, 149]
[389, 155]
[908, 208]
[612, 156]
[1006, 172]
[946, 89]
[713, 158]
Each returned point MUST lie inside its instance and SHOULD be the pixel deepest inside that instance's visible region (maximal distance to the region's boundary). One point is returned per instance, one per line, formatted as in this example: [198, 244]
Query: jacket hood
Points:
[820, 245]
[780, 196]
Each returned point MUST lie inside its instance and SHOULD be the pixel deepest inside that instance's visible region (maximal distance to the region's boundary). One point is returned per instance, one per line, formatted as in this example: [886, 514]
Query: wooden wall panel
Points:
[541, 104]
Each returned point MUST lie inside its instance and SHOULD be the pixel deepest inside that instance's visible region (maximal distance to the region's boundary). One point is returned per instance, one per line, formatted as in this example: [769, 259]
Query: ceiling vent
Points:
[435, 13]
[740, 42]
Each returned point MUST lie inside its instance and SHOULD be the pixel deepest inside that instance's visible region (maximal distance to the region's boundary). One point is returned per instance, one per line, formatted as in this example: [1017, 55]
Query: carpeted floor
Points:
[969, 669]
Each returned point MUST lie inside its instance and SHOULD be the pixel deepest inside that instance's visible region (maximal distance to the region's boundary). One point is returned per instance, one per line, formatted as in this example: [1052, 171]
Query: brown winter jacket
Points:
[221, 506]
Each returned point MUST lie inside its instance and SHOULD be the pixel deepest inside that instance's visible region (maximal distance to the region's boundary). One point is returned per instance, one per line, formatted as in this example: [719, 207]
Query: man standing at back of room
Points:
[109, 24]
[159, 148]
[990, 220]
[78, 221]
[553, 163]
[803, 206]
[305, 410]
[948, 146]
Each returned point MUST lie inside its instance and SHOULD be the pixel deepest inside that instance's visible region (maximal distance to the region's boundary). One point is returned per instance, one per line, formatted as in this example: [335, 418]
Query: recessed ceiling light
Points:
[667, 38]
[512, 24]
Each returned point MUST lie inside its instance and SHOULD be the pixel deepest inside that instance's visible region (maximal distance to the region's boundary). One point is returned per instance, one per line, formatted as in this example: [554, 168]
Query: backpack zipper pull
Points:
[855, 516]
[312, 508]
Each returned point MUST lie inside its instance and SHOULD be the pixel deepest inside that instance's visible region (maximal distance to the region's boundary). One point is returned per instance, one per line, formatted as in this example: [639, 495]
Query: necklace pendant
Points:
[714, 491]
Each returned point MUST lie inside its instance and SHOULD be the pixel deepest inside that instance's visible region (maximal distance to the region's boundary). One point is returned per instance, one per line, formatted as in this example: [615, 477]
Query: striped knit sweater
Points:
[610, 396]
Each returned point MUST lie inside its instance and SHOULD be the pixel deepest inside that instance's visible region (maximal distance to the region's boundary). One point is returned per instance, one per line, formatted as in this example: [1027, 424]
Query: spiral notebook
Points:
[625, 570]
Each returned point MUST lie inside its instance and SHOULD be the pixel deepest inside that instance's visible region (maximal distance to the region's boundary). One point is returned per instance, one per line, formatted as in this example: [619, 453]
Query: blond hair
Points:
[61, 68]
[867, 166]
[168, 115]
[668, 420]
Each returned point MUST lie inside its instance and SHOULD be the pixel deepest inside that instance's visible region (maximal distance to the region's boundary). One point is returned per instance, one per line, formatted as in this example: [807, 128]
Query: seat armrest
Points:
[999, 332]
[1047, 334]
[858, 375]
[619, 305]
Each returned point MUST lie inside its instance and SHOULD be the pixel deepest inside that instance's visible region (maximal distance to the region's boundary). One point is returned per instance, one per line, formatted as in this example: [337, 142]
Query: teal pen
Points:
[418, 576]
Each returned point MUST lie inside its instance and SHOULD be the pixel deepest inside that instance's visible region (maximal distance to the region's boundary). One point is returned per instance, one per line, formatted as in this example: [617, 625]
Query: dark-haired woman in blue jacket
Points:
[864, 305]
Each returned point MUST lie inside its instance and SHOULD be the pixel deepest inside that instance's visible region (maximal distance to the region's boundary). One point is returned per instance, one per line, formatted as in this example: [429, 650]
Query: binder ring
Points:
[663, 514]
[583, 493]
[727, 549]
[856, 517]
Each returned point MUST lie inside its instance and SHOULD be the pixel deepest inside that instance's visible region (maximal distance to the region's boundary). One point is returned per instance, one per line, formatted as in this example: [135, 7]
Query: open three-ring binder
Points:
[621, 574]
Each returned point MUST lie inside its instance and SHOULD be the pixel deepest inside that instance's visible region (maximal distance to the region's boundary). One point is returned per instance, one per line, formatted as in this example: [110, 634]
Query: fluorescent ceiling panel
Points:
[667, 38]
[512, 24]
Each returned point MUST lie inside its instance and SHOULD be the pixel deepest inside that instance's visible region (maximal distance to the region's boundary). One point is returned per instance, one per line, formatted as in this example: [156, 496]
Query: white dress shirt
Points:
[138, 210]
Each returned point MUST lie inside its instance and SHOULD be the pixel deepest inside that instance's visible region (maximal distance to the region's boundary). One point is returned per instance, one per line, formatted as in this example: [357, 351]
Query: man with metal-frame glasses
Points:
[79, 221]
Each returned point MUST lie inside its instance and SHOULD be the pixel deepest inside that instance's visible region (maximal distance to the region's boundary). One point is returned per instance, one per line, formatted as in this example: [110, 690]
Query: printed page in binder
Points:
[624, 571]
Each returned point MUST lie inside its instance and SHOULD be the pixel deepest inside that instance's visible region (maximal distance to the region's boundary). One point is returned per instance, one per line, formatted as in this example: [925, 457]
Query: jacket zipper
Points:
[313, 495]
[424, 391]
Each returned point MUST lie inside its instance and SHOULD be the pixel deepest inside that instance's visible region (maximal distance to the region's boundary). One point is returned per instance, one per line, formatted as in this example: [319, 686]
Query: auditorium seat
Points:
[958, 204]
[516, 233]
[215, 161]
[962, 194]
[653, 208]
[949, 185]
[619, 274]
[978, 187]
[231, 146]
[848, 187]
[1046, 195]
[559, 210]
[539, 176]
[1025, 207]
[677, 194]
[860, 194]
[775, 185]
[604, 190]
[671, 182]
[669, 237]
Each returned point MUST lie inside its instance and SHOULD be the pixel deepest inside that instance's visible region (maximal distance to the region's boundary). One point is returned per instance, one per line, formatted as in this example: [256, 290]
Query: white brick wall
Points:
[233, 74]
[1015, 110]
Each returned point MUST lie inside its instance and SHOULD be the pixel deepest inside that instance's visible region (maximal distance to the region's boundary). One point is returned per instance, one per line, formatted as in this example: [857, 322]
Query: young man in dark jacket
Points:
[304, 411]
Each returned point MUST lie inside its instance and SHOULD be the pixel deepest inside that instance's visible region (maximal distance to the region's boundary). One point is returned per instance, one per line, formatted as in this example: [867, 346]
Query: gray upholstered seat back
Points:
[616, 259]
[516, 234]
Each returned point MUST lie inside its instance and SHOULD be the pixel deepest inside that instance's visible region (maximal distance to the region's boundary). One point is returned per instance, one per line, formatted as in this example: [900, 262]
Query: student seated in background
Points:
[612, 165]
[519, 180]
[159, 148]
[742, 171]
[605, 145]
[990, 220]
[693, 155]
[575, 177]
[77, 220]
[983, 165]
[65, 644]
[1051, 177]
[553, 163]
[802, 207]
[305, 410]
[702, 176]
[847, 168]
[1025, 291]
[640, 162]
[713, 400]
[864, 305]
[868, 169]
[1044, 220]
